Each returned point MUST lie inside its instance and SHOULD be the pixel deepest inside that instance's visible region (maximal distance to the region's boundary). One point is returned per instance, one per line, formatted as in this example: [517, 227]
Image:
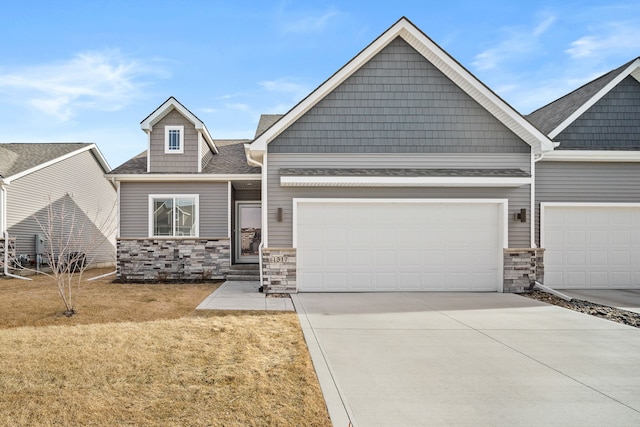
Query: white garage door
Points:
[591, 246]
[357, 246]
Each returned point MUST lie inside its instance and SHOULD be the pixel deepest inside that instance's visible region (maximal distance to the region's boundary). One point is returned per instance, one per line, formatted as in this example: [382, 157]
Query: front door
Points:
[248, 231]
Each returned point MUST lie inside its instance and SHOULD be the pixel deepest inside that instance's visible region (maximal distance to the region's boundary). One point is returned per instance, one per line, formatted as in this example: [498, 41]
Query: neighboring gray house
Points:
[401, 172]
[588, 190]
[34, 174]
[189, 205]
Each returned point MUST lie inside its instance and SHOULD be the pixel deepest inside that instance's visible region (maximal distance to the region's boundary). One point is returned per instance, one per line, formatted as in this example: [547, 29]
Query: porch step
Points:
[244, 272]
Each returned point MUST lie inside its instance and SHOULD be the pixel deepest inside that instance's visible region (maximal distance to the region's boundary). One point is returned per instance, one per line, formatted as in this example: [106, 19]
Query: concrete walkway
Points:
[626, 299]
[243, 296]
[485, 359]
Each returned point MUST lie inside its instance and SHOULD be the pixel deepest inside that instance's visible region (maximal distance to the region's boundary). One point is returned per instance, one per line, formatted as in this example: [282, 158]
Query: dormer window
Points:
[174, 139]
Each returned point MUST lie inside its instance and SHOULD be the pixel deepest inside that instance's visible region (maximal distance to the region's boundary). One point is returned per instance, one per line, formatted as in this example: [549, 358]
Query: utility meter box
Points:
[40, 248]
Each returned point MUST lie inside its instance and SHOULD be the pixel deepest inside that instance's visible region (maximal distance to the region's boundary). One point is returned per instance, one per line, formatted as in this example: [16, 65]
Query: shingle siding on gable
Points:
[186, 162]
[613, 122]
[398, 103]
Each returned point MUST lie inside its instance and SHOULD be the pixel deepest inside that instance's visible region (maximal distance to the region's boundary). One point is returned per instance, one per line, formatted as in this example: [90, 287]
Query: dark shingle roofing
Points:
[230, 159]
[19, 157]
[506, 173]
[549, 117]
[266, 121]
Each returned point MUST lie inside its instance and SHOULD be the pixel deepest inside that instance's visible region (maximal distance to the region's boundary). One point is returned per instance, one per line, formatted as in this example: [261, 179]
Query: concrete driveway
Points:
[626, 299]
[484, 359]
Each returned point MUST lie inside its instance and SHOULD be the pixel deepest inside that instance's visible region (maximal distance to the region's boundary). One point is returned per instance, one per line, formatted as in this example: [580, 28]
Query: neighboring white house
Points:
[32, 175]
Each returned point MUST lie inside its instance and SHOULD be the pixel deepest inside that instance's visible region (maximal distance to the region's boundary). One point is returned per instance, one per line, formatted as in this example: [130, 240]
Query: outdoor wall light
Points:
[522, 215]
[279, 215]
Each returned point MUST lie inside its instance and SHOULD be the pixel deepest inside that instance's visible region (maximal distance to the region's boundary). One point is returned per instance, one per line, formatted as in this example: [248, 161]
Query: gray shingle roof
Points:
[549, 117]
[230, 159]
[506, 173]
[266, 121]
[19, 157]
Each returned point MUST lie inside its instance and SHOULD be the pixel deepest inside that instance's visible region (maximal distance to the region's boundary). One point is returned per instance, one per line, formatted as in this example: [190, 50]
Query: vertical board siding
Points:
[134, 210]
[613, 121]
[398, 102]
[79, 176]
[174, 163]
[280, 233]
[586, 182]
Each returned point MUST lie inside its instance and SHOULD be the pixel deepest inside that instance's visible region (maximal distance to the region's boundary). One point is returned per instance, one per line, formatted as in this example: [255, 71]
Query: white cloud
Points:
[286, 86]
[518, 41]
[607, 39]
[291, 22]
[99, 80]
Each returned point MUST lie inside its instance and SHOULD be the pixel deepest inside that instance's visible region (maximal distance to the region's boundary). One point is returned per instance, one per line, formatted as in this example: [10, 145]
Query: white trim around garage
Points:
[502, 205]
[544, 205]
[591, 245]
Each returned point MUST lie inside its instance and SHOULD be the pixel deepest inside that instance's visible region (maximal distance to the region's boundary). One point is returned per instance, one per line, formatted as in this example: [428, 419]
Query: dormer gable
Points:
[179, 142]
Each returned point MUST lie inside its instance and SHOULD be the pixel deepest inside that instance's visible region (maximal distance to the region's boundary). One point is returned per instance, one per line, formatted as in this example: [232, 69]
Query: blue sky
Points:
[91, 71]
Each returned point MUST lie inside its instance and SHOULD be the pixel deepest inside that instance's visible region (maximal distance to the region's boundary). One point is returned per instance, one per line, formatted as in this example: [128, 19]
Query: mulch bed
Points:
[610, 313]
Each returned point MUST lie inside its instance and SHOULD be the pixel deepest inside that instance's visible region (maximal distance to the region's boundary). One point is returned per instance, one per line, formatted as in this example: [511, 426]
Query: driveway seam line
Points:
[522, 353]
[556, 370]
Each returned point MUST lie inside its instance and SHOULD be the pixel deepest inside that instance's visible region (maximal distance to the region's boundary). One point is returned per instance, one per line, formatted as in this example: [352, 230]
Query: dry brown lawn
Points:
[139, 355]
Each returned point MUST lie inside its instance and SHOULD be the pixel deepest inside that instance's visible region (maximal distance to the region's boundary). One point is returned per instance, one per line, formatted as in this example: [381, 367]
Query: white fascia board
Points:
[169, 105]
[376, 181]
[477, 90]
[591, 156]
[441, 60]
[632, 69]
[185, 177]
[92, 147]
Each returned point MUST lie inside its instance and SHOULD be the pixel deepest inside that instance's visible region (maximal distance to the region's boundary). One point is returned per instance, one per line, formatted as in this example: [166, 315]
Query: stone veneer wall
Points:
[166, 260]
[12, 252]
[279, 270]
[522, 267]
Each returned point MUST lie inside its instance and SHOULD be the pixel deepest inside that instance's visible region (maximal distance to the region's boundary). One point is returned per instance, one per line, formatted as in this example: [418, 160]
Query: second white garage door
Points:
[393, 245]
[591, 246]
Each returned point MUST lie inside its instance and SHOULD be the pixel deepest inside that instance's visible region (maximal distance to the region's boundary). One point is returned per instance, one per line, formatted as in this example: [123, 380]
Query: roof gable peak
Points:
[433, 53]
[173, 104]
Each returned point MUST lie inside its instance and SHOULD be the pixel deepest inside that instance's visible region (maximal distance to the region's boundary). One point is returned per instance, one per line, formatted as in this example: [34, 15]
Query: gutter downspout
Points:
[253, 162]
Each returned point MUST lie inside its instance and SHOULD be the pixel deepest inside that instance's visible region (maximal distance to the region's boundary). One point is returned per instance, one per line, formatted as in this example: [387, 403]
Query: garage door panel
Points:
[383, 246]
[609, 257]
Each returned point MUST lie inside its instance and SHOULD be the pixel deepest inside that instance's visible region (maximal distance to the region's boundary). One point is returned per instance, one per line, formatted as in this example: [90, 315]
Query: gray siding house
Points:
[588, 189]
[35, 175]
[189, 205]
[401, 172]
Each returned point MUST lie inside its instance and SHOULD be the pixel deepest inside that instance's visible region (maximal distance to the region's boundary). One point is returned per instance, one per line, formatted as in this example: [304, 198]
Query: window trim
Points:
[195, 197]
[167, 130]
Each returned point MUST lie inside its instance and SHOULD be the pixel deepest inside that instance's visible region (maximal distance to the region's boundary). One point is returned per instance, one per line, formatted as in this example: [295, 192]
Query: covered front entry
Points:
[358, 245]
[248, 231]
[591, 246]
